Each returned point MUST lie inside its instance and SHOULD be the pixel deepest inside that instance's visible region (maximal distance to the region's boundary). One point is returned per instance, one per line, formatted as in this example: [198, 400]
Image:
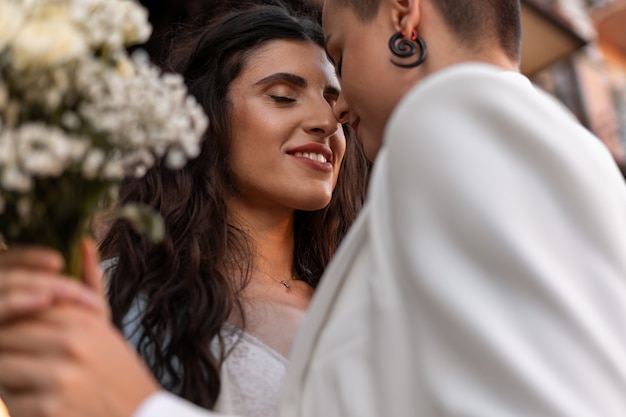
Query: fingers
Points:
[25, 292]
[20, 372]
[32, 387]
[33, 337]
[22, 304]
[27, 404]
[92, 273]
[61, 331]
[32, 257]
[76, 359]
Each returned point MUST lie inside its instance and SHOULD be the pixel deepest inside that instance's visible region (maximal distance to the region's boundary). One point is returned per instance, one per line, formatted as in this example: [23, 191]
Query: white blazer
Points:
[485, 277]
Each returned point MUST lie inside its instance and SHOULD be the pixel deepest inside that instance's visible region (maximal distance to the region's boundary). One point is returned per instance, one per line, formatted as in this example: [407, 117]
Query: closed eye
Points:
[338, 70]
[282, 99]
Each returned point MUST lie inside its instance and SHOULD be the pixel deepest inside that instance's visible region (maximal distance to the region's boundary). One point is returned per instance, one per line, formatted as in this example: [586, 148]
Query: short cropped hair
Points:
[470, 19]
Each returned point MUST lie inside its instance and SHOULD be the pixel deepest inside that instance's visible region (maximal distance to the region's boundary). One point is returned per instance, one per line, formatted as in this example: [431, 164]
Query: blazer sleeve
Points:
[507, 225]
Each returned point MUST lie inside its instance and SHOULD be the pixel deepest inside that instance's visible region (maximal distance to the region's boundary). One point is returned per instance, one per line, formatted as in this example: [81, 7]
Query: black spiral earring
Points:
[405, 49]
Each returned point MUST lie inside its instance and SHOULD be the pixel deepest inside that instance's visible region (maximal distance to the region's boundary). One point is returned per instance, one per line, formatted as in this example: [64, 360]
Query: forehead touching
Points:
[338, 20]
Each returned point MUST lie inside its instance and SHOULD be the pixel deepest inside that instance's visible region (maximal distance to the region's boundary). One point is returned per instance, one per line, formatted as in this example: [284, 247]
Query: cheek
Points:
[340, 154]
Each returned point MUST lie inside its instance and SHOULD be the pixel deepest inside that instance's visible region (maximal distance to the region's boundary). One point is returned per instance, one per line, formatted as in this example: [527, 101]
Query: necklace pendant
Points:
[286, 284]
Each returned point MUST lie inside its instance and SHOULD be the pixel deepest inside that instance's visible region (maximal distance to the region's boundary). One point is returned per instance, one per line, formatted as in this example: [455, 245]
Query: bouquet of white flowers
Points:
[78, 114]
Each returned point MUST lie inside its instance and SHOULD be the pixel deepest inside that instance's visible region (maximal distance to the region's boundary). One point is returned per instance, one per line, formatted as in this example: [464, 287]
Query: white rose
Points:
[11, 17]
[47, 42]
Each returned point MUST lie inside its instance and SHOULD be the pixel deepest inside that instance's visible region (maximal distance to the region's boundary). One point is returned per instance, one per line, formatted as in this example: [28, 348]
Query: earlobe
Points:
[406, 15]
[406, 42]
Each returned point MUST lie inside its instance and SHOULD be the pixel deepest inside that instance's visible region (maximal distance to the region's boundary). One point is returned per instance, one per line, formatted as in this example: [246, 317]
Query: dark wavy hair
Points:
[181, 279]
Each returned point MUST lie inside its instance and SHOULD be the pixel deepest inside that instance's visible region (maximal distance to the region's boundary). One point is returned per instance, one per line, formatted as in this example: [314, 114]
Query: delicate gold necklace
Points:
[284, 282]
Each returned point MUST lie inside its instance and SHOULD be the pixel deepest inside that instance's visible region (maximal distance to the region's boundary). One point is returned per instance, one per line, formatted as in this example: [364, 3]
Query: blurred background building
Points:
[585, 62]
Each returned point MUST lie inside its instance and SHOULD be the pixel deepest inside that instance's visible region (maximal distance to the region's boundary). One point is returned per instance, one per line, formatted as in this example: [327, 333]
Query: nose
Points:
[341, 110]
[322, 120]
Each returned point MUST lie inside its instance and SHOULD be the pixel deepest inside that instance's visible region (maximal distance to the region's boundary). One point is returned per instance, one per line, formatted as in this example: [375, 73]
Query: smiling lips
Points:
[312, 156]
[316, 155]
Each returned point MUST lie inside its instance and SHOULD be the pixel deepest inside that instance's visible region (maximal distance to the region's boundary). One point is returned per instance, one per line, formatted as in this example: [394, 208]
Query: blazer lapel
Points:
[320, 308]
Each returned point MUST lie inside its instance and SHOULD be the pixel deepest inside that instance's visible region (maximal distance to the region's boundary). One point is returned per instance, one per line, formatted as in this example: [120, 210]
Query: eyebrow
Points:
[283, 77]
[295, 80]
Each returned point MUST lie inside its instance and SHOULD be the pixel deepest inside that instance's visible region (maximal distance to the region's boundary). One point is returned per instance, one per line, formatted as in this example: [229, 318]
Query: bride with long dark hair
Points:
[250, 224]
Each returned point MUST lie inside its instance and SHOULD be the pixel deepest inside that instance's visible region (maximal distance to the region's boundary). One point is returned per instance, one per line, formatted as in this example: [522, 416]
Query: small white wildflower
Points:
[13, 179]
[135, 26]
[70, 120]
[53, 98]
[24, 206]
[112, 23]
[92, 165]
[114, 170]
[175, 159]
[46, 151]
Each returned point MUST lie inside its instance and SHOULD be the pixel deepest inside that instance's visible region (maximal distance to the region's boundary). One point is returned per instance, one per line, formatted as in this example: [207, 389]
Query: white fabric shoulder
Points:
[504, 223]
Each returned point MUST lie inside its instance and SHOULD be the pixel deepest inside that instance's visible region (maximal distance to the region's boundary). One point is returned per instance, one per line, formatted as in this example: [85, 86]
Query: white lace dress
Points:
[252, 374]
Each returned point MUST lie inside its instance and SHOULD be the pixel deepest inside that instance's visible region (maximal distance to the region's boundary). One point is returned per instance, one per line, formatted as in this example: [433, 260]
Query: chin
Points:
[370, 148]
[314, 204]
[371, 152]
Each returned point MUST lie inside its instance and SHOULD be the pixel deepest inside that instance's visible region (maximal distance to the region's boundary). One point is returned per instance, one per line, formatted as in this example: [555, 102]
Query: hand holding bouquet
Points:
[78, 115]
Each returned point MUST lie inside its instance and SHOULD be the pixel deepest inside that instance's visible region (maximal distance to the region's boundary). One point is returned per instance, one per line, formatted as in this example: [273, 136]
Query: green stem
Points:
[73, 258]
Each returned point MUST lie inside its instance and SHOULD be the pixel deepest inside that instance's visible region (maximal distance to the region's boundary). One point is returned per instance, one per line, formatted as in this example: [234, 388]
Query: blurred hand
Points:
[68, 362]
[31, 281]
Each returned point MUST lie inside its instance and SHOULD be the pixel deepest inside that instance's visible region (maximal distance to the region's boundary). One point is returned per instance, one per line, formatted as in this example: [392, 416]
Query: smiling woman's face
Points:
[287, 145]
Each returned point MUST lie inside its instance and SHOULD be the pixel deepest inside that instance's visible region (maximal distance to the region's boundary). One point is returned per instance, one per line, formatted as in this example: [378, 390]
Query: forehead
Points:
[329, 10]
[290, 56]
[338, 17]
